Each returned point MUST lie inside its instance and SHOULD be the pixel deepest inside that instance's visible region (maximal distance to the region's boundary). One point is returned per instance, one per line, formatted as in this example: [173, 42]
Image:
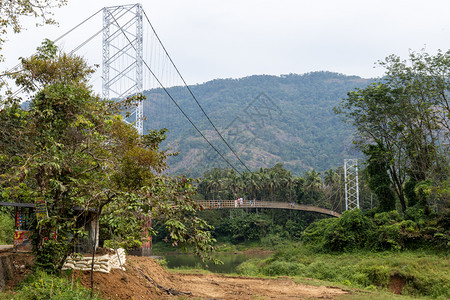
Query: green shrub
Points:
[280, 268]
[249, 268]
[272, 240]
[386, 231]
[6, 229]
[376, 274]
[389, 217]
[323, 271]
[353, 230]
[315, 234]
[425, 273]
[41, 285]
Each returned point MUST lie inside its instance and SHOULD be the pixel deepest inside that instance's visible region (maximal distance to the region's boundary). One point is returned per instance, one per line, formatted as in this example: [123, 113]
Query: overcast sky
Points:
[211, 39]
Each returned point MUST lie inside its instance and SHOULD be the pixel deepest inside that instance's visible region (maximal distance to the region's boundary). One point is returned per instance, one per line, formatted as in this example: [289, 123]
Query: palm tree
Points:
[215, 181]
[289, 183]
[313, 183]
[254, 184]
[273, 182]
[264, 179]
[234, 183]
[330, 177]
[331, 182]
[245, 182]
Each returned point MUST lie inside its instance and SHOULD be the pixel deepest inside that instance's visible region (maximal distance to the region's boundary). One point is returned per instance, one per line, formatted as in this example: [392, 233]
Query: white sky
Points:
[211, 39]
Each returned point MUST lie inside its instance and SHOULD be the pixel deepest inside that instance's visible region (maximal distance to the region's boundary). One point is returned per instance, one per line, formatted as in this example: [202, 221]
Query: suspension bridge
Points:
[134, 60]
[255, 204]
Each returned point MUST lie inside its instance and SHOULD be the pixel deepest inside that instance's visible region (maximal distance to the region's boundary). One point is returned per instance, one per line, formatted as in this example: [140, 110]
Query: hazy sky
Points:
[221, 39]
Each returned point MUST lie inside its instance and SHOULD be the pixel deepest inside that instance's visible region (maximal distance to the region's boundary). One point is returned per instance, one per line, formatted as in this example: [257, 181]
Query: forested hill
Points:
[285, 119]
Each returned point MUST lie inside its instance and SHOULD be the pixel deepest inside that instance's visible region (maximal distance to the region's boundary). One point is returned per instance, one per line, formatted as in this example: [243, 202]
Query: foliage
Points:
[246, 227]
[406, 114]
[379, 180]
[424, 274]
[275, 184]
[73, 152]
[385, 231]
[11, 13]
[6, 227]
[41, 285]
[349, 232]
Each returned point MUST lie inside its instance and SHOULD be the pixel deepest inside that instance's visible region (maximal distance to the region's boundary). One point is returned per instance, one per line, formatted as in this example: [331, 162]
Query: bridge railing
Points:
[219, 204]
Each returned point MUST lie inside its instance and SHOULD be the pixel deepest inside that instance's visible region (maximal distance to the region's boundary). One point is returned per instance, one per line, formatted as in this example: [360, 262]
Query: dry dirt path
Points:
[221, 287]
[145, 279]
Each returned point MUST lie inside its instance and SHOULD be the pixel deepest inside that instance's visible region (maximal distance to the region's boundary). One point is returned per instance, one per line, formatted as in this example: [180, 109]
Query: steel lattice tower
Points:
[351, 184]
[122, 57]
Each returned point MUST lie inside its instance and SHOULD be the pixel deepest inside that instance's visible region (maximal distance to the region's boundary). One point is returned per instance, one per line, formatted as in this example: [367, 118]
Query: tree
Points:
[407, 113]
[273, 184]
[313, 188]
[379, 180]
[73, 150]
[12, 11]
[332, 188]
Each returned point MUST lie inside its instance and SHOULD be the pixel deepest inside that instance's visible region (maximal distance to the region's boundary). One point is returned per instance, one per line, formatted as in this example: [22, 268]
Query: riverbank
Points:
[369, 276]
[144, 278]
[416, 273]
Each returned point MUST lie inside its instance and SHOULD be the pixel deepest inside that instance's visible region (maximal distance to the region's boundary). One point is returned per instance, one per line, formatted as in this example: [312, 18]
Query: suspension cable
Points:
[176, 104]
[192, 94]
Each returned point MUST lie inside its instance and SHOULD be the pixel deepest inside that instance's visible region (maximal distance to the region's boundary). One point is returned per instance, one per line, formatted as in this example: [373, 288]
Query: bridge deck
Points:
[220, 204]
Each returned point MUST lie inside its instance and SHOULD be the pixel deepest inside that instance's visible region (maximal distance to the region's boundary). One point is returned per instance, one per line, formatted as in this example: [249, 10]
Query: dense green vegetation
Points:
[402, 128]
[384, 231]
[41, 285]
[421, 273]
[402, 124]
[72, 149]
[292, 122]
[278, 184]
[6, 226]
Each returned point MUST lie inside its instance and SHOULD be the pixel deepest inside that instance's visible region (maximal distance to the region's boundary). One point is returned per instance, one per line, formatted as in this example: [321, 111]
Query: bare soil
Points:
[146, 279]
[396, 284]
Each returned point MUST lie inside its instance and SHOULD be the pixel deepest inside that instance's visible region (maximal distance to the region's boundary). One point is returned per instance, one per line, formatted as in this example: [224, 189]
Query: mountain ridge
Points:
[267, 119]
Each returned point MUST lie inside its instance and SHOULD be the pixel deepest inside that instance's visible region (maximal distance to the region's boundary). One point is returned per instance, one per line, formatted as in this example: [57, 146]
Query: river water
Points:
[230, 261]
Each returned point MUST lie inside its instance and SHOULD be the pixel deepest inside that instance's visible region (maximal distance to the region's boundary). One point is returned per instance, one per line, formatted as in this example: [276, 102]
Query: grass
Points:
[379, 295]
[415, 273]
[41, 285]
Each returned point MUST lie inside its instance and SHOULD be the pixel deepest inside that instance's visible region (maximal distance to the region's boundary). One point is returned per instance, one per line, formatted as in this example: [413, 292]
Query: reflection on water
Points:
[230, 261]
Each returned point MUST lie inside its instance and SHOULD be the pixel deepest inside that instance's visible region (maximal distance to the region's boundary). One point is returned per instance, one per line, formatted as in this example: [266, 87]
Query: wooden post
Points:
[147, 239]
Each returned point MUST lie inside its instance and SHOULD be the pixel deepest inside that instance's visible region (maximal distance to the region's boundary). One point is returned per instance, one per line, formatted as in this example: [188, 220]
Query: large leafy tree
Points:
[72, 149]
[407, 114]
[379, 181]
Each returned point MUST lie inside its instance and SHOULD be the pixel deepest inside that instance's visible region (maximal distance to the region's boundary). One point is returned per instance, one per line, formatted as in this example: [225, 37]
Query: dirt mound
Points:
[146, 279]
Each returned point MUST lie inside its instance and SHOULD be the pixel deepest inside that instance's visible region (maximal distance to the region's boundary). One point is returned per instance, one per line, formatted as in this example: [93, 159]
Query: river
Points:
[189, 261]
